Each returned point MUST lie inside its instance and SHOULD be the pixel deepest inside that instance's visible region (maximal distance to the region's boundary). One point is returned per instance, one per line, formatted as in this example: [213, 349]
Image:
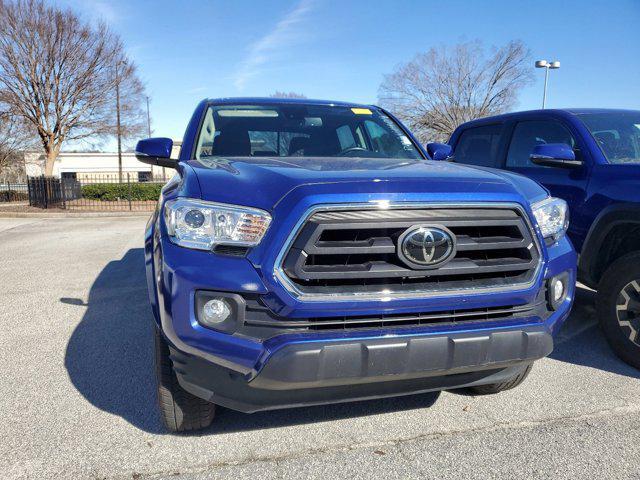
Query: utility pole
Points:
[118, 126]
[148, 118]
[164, 173]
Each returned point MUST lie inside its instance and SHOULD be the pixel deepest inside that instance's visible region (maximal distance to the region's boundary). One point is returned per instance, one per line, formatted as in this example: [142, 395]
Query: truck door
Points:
[566, 183]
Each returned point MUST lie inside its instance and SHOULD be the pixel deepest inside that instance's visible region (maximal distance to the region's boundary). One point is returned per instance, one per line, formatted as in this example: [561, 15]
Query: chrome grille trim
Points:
[376, 211]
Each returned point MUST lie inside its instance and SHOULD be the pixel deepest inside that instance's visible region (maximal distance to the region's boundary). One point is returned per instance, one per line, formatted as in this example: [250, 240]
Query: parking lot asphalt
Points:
[77, 391]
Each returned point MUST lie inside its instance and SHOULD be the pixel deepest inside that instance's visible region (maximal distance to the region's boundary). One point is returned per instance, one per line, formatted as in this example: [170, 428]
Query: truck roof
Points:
[281, 101]
[559, 112]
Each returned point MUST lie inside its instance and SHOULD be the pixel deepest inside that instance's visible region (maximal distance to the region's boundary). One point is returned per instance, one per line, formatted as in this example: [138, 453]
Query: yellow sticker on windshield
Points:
[361, 111]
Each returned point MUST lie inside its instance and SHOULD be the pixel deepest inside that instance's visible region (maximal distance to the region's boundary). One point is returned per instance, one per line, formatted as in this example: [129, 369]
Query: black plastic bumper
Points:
[314, 373]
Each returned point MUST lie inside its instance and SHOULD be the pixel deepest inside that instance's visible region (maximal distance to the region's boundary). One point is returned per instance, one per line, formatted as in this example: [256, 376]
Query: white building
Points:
[91, 165]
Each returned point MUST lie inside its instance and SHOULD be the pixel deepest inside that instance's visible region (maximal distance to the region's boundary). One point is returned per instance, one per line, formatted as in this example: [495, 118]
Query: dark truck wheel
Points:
[619, 307]
[180, 411]
[508, 384]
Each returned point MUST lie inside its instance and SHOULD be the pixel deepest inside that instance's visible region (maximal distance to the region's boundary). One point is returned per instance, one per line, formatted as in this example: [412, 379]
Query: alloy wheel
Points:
[628, 310]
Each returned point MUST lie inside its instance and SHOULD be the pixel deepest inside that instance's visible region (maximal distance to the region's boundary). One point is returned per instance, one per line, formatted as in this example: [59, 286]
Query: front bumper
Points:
[314, 373]
[250, 373]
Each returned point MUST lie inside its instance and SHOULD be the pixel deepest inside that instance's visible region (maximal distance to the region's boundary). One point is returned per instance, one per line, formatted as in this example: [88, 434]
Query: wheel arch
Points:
[150, 242]
[614, 233]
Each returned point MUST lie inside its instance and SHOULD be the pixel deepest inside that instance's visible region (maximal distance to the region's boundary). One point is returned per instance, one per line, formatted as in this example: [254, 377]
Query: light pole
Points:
[546, 65]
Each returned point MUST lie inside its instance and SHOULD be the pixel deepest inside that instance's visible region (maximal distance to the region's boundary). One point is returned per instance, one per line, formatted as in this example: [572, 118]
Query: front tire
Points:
[618, 305]
[180, 411]
[508, 384]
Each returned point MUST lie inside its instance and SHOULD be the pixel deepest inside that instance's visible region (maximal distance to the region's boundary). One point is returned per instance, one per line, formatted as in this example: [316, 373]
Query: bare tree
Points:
[279, 94]
[444, 87]
[59, 75]
[14, 139]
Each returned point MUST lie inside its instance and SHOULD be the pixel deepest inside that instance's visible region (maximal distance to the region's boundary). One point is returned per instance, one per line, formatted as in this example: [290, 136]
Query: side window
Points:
[479, 146]
[263, 144]
[345, 137]
[206, 136]
[376, 134]
[528, 134]
[293, 144]
[360, 136]
[383, 142]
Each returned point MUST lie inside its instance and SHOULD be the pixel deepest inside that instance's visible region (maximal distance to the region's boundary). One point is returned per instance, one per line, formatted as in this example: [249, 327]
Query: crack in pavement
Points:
[25, 224]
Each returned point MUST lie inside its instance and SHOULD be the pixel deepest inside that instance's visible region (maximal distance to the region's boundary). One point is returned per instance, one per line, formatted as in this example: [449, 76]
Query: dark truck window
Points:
[528, 134]
[617, 133]
[301, 130]
[479, 146]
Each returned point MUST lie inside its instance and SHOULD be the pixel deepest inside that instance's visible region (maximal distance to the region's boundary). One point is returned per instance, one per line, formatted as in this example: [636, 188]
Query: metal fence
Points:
[13, 192]
[94, 192]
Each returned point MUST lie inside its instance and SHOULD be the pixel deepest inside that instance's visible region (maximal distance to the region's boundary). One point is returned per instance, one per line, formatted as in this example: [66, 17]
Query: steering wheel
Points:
[350, 150]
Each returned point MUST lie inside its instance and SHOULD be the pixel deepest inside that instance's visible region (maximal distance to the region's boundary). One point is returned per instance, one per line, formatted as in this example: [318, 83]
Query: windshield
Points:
[298, 130]
[617, 133]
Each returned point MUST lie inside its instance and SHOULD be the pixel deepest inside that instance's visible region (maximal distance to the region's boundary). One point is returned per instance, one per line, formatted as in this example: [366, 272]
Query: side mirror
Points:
[439, 151]
[558, 155]
[156, 151]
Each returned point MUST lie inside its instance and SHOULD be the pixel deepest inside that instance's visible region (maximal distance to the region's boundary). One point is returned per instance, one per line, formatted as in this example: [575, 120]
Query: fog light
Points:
[215, 311]
[219, 311]
[557, 289]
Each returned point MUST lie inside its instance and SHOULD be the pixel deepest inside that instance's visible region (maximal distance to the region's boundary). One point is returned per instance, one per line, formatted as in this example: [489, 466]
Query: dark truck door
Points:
[569, 184]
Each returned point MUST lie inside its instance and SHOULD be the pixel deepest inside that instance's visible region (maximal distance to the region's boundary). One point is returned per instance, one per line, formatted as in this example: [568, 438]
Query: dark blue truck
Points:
[591, 159]
[307, 252]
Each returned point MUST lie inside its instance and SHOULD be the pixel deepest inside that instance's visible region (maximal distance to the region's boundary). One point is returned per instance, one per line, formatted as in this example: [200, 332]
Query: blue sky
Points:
[189, 50]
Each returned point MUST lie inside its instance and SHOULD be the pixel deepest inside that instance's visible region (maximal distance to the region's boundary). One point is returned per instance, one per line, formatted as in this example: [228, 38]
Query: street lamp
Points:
[546, 65]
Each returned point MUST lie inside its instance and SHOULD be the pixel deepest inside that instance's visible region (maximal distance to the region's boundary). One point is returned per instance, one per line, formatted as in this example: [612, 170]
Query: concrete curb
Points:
[72, 214]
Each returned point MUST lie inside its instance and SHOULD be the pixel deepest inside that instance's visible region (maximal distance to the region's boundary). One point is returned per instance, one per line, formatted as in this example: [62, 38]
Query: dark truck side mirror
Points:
[156, 151]
[439, 151]
[558, 155]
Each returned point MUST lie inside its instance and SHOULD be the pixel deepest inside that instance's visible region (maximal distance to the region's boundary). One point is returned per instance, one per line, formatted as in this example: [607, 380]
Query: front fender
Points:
[589, 264]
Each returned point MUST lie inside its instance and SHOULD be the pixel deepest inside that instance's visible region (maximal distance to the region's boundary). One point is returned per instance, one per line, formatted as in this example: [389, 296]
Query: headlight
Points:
[202, 225]
[552, 216]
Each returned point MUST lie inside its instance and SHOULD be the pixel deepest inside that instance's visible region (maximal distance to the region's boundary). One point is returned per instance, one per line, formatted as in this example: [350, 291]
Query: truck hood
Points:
[263, 182]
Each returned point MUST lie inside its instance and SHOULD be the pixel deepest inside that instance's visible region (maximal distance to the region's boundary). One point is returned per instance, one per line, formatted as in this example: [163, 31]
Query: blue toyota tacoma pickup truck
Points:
[307, 252]
[591, 159]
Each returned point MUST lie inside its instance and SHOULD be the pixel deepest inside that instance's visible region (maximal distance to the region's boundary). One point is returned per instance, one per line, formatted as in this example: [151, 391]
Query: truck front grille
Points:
[356, 252]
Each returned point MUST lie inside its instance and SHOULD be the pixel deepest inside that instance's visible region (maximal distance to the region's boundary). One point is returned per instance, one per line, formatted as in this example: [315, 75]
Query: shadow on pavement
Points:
[581, 342]
[109, 356]
[231, 421]
[109, 359]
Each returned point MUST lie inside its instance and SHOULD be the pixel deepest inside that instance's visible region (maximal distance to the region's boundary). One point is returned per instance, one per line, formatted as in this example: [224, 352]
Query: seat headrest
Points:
[232, 142]
[297, 146]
